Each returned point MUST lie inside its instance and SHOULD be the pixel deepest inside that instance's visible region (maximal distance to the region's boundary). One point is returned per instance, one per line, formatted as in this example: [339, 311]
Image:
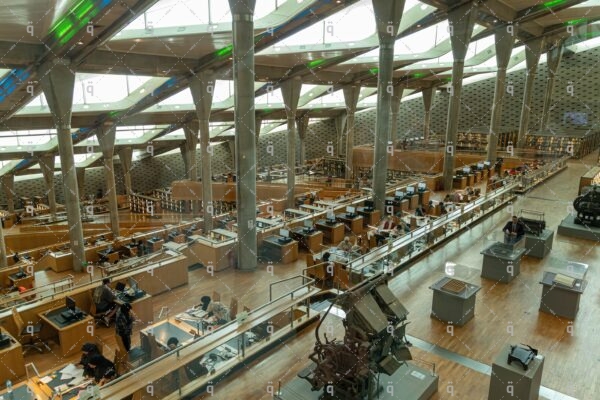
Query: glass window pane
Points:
[309, 36]
[223, 91]
[353, 23]
[183, 97]
[265, 7]
[274, 97]
[174, 13]
[219, 12]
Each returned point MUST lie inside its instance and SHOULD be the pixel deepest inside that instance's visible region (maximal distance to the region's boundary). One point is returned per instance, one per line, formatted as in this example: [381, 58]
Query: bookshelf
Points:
[168, 203]
[139, 203]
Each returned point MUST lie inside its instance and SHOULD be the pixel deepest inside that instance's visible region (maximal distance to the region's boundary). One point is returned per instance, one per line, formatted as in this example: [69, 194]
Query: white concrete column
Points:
[58, 83]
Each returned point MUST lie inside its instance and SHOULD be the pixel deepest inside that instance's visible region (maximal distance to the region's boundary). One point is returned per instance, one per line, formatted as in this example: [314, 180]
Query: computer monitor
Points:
[410, 190]
[330, 214]
[369, 204]
[466, 170]
[487, 163]
[70, 303]
[284, 232]
[132, 283]
[350, 210]
[421, 185]
[21, 273]
[479, 166]
[399, 194]
[308, 223]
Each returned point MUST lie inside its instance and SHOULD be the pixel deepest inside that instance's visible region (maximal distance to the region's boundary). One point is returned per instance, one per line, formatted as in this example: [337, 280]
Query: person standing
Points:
[124, 324]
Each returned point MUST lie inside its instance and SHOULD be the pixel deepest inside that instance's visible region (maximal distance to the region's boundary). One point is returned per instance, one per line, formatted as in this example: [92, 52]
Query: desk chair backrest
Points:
[233, 308]
[151, 346]
[216, 296]
[18, 320]
[310, 260]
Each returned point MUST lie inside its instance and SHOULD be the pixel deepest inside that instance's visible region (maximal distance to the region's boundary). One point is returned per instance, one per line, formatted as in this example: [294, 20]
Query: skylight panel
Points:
[183, 97]
[272, 97]
[223, 90]
[353, 23]
[220, 11]
[265, 7]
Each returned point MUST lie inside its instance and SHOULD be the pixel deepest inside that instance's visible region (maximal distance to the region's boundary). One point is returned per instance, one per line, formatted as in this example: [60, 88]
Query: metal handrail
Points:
[395, 245]
[304, 278]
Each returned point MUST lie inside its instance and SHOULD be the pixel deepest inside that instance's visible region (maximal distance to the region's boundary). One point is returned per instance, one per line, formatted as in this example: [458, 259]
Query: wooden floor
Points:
[571, 364]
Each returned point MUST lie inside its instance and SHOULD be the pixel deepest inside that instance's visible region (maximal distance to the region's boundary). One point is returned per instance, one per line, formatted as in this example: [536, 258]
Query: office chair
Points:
[28, 337]
[216, 296]
[233, 308]
[126, 361]
[98, 316]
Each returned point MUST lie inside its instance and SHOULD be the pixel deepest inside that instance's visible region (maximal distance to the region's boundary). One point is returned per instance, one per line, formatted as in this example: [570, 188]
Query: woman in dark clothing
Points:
[124, 324]
[103, 370]
[88, 350]
[204, 302]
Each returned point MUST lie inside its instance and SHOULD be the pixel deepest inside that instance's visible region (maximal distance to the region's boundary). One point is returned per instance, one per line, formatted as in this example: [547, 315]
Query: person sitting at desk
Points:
[345, 244]
[104, 299]
[513, 230]
[103, 370]
[386, 224]
[172, 343]
[16, 257]
[88, 351]
[218, 314]
[420, 211]
[204, 302]
[140, 248]
[443, 210]
[401, 229]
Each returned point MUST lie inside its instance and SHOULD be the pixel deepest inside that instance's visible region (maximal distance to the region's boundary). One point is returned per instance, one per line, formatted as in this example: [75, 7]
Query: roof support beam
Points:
[461, 21]
[245, 139]
[554, 58]
[290, 90]
[202, 88]
[505, 41]
[106, 138]
[58, 82]
[351, 95]
[47, 167]
[387, 15]
[533, 51]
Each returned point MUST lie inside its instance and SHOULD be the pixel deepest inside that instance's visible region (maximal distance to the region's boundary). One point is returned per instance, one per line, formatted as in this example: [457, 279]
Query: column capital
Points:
[290, 90]
[461, 21]
[202, 87]
[351, 95]
[387, 17]
[242, 7]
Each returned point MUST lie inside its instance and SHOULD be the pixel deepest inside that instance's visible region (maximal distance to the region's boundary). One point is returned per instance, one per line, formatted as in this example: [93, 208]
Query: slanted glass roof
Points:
[25, 139]
[180, 13]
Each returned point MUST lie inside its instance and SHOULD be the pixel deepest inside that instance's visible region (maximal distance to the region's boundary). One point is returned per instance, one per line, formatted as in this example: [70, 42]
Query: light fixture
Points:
[80, 43]
[142, 90]
[170, 39]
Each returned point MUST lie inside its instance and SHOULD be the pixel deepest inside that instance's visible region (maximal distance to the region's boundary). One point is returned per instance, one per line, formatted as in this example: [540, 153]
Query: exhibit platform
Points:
[568, 227]
[410, 382]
